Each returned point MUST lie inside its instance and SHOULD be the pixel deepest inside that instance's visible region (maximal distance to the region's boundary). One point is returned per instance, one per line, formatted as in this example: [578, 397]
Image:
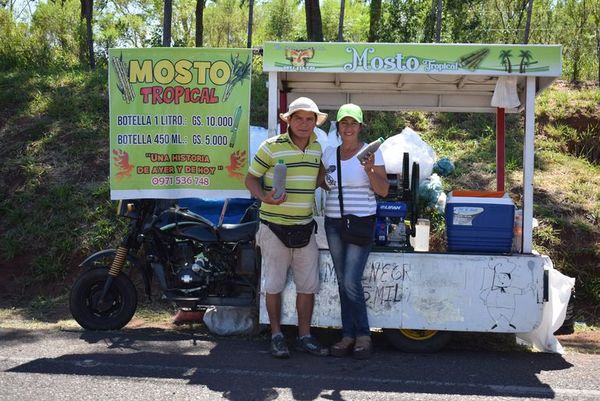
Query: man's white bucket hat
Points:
[305, 104]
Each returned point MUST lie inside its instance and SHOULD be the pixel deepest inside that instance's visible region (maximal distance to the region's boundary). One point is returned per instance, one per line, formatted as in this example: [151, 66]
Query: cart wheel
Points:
[426, 341]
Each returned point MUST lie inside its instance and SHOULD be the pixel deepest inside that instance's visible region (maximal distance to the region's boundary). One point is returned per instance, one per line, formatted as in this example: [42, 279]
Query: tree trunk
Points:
[340, 37]
[167, 23]
[200, 22]
[250, 22]
[314, 24]
[375, 19]
[87, 12]
[528, 22]
[438, 21]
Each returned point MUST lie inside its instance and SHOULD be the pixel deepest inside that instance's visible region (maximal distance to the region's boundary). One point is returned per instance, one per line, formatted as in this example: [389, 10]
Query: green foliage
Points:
[284, 20]
[53, 38]
[54, 194]
[230, 30]
[260, 107]
[53, 186]
[404, 21]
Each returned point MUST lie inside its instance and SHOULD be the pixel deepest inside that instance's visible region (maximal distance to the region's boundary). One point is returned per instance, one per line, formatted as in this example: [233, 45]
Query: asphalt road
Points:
[152, 364]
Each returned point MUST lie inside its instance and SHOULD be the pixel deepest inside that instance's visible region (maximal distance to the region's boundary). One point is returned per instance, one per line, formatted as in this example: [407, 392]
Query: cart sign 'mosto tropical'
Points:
[179, 122]
[472, 59]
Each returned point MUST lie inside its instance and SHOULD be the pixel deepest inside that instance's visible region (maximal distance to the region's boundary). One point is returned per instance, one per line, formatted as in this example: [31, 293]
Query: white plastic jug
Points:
[420, 242]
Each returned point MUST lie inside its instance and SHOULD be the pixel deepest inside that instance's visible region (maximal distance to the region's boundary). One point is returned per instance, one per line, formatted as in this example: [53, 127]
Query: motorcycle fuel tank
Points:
[187, 225]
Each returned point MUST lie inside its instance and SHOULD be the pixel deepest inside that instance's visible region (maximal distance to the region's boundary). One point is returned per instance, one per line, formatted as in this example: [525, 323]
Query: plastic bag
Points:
[332, 137]
[322, 137]
[443, 167]
[430, 190]
[419, 151]
[230, 321]
[553, 315]
[505, 94]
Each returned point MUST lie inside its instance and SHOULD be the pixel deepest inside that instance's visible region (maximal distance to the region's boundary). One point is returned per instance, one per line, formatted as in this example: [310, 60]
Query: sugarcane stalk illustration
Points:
[122, 79]
[237, 116]
[240, 71]
[472, 60]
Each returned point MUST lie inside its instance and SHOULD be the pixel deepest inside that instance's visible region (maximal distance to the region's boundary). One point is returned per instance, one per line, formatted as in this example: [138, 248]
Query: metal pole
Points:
[500, 149]
[272, 119]
[528, 164]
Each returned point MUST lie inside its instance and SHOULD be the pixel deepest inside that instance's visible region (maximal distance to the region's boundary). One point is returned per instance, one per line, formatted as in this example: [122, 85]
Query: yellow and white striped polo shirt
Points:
[302, 171]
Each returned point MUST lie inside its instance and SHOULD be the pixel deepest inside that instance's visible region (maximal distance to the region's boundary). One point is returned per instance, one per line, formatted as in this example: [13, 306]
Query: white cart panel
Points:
[434, 291]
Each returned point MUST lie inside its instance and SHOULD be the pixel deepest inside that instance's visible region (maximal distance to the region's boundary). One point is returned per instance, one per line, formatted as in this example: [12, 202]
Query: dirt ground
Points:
[56, 316]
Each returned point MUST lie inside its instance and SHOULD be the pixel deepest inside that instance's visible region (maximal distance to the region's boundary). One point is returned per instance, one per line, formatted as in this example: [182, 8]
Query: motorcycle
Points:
[196, 263]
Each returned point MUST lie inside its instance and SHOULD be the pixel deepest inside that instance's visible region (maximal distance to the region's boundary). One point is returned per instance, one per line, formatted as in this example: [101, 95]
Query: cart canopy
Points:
[426, 77]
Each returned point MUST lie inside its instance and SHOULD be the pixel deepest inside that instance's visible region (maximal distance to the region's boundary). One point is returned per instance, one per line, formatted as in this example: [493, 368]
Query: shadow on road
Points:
[242, 369]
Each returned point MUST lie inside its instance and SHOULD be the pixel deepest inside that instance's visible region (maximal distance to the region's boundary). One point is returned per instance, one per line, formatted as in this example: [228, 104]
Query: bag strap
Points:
[339, 180]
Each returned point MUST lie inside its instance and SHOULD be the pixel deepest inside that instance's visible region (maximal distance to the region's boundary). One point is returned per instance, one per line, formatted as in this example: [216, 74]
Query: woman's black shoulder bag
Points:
[356, 230]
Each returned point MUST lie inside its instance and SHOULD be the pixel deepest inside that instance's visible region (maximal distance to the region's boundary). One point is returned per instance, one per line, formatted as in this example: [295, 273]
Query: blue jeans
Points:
[349, 261]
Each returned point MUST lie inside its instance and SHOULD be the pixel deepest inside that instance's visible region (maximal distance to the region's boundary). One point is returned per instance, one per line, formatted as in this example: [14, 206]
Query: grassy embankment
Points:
[54, 194]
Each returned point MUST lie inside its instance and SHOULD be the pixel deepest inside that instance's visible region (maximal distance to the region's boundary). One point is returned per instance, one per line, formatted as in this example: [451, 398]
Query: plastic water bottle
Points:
[371, 148]
[279, 175]
[517, 245]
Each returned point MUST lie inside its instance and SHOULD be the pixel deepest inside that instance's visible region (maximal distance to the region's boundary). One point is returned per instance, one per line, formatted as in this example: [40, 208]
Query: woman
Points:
[359, 184]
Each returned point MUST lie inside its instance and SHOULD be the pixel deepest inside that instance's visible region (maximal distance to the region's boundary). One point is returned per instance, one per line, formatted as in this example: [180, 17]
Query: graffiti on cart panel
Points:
[500, 290]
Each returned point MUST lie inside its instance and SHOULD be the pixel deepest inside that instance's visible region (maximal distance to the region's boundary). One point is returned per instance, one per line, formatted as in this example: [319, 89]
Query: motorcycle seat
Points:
[238, 232]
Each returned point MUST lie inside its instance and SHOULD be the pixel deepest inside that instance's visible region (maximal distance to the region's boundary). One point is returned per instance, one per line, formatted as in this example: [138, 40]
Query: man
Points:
[299, 150]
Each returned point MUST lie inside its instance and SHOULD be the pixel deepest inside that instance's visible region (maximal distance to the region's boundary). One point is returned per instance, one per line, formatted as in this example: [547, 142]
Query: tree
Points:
[314, 24]
[403, 21]
[280, 17]
[250, 21]
[230, 31]
[438, 21]
[464, 21]
[340, 37]
[87, 10]
[528, 22]
[511, 13]
[199, 35]
[55, 32]
[375, 21]
[577, 37]
[167, 20]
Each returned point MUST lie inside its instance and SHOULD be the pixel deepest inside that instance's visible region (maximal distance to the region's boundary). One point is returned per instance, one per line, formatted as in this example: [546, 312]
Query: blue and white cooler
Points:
[479, 222]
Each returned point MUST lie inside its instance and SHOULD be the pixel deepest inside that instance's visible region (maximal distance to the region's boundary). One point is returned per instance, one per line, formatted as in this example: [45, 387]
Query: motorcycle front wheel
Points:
[114, 312]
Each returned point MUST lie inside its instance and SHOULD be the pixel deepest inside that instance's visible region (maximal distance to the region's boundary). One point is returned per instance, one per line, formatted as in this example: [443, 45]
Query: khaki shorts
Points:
[277, 258]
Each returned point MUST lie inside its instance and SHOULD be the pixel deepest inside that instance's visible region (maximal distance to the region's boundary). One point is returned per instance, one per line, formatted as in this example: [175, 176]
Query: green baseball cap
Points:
[350, 110]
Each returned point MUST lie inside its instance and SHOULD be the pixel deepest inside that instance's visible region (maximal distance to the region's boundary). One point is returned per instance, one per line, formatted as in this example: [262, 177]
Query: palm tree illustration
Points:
[525, 60]
[505, 60]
